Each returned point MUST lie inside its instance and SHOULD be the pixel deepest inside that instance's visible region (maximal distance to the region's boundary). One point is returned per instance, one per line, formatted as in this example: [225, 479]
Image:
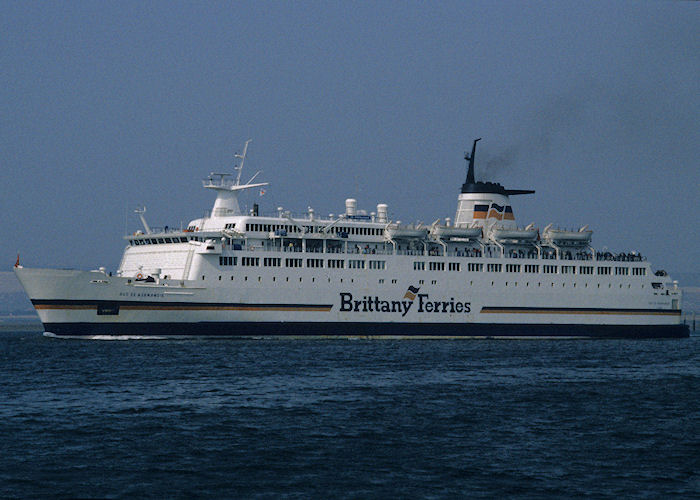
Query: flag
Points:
[262, 192]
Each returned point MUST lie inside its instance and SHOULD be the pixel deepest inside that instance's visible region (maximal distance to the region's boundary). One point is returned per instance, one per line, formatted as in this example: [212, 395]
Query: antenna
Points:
[141, 211]
[242, 158]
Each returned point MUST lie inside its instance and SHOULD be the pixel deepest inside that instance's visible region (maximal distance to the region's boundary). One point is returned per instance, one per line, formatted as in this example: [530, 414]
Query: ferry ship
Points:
[238, 273]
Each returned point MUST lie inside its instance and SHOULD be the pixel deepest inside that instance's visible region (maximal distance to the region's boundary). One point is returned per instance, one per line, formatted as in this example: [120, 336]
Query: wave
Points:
[106, 337]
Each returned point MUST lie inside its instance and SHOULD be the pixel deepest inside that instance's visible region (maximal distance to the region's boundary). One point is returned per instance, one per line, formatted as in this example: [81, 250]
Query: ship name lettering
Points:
[375, 304]
[441, 306]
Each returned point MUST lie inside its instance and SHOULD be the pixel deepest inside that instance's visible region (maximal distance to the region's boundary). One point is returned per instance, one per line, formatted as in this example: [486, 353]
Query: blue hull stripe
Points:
[348, 329]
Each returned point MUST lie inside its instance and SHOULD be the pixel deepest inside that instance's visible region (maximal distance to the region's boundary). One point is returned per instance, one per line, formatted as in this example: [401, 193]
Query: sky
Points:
[105, 106]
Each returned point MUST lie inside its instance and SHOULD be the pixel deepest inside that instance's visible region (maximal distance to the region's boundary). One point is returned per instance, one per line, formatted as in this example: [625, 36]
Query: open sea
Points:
[348, 418]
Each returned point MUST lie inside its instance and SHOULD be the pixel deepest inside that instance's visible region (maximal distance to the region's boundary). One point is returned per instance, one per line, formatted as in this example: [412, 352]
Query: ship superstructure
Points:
[361, 274]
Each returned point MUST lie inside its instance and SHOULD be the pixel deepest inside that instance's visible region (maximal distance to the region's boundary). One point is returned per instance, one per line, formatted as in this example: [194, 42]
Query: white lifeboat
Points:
[395, 231]
[446, 232]
[582, 235]
[514, 234]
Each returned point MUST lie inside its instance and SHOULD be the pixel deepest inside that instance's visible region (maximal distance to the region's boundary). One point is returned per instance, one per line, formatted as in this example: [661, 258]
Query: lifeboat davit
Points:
[446, 232]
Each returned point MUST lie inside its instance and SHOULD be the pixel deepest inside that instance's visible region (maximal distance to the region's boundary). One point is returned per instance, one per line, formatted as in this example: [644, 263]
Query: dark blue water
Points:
[358, 419]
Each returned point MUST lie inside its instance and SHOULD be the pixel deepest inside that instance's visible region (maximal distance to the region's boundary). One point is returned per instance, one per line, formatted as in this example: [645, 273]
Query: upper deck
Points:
[484, 228]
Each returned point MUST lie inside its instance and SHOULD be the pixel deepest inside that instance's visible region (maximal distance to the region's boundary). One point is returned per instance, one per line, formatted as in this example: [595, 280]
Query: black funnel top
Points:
[471, 186]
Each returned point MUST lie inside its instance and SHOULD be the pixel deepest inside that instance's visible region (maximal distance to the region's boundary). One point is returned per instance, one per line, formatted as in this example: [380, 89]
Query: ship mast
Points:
[242, 158]
[226, 203]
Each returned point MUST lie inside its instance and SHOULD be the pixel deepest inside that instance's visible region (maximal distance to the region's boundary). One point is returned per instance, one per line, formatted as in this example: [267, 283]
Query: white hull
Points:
[329, 299]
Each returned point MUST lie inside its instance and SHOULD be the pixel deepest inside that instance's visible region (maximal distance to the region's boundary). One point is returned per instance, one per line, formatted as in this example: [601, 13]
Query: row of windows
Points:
[250, 261]
[434, 282]
[529, 268]
[295, 262]
[290, 228]
[432, 266]
[160, 241]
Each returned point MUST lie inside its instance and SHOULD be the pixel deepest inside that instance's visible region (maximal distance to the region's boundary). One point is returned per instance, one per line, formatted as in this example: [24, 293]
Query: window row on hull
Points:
[432, 266]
